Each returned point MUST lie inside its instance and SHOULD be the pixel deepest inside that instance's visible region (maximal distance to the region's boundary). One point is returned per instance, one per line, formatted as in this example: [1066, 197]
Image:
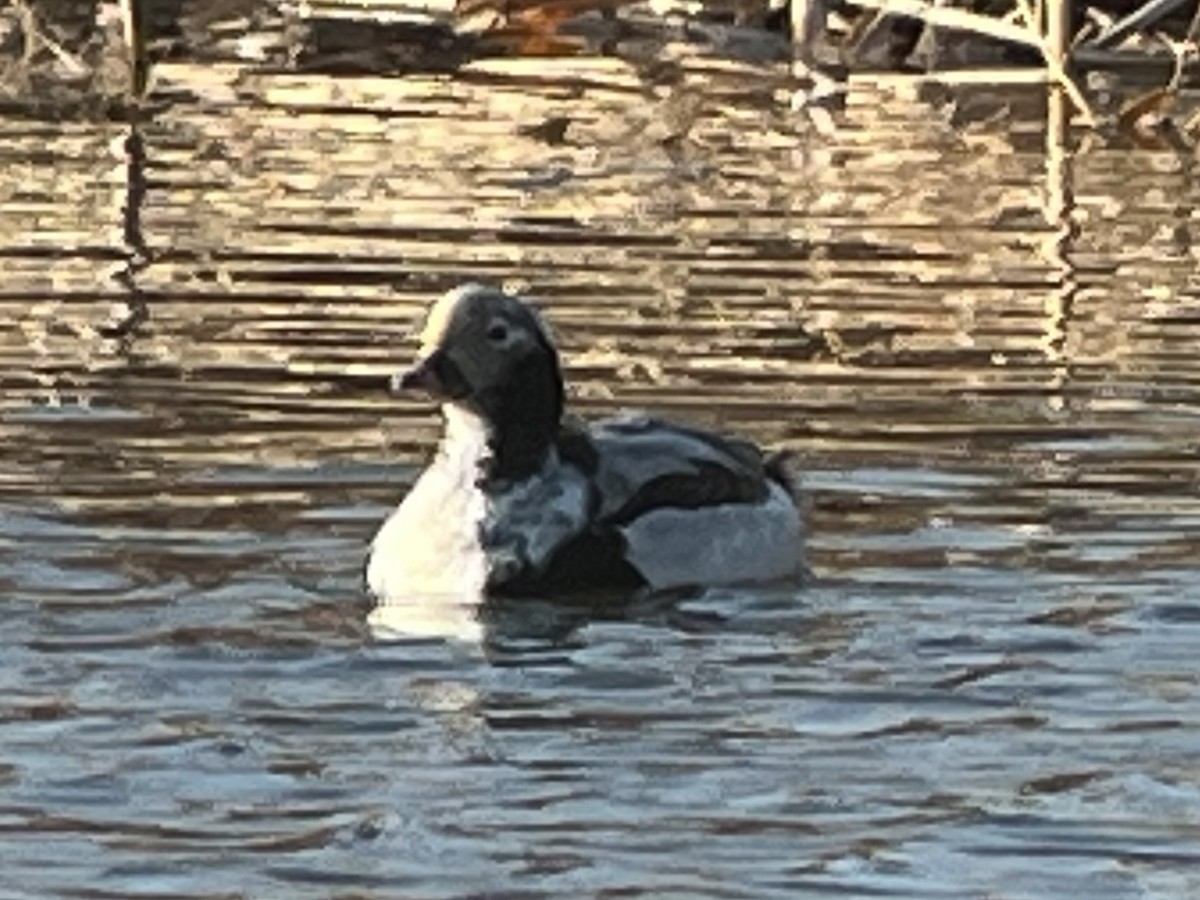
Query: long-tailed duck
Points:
[519, 500]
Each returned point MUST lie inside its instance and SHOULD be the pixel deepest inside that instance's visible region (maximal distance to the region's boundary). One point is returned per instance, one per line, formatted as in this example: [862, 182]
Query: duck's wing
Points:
[640, 464]
[686, 506]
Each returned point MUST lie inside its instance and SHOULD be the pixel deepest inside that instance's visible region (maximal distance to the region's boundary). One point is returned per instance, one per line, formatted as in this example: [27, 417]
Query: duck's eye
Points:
[497, 333]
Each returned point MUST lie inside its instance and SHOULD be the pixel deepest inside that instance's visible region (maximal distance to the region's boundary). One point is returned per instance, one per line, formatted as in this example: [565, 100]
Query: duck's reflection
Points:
[500, 623]
[454, 617]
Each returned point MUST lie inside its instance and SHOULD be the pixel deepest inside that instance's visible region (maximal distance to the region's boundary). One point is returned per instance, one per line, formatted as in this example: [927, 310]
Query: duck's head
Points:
[490, 353]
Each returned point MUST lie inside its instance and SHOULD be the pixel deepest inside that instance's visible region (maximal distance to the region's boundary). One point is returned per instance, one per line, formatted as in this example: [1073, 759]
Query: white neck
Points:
[465, 440]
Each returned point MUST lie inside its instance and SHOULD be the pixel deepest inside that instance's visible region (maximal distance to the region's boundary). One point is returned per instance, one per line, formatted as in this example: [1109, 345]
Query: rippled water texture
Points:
[985, 353]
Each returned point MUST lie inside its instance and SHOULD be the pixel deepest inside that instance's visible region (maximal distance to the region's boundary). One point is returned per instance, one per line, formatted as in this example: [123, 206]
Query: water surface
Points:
[984, 353]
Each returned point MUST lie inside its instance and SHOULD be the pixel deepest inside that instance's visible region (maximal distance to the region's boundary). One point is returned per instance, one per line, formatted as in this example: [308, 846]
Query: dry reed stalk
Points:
[948, 17]
[1028, 33]
[1056, 62]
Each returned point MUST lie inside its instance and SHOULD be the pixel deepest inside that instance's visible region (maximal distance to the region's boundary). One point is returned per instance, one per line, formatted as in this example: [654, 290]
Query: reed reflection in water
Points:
[985, 356]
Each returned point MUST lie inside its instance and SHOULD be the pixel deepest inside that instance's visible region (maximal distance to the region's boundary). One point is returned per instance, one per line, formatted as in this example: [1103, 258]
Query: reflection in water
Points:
[425, 615]
[983, 350]
[1059, 207]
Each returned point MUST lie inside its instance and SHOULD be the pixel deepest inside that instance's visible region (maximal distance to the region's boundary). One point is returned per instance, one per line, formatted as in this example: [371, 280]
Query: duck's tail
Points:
[783, 467]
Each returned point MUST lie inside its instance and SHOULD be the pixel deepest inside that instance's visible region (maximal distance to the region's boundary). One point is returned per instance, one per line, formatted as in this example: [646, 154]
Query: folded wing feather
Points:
[642, 464]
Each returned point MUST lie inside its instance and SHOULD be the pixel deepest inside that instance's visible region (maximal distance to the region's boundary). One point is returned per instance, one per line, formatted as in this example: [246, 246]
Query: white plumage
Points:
[430, 544]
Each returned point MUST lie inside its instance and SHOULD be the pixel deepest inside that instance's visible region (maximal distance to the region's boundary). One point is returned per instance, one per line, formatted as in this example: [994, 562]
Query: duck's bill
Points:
[420, 378]
[434, 375]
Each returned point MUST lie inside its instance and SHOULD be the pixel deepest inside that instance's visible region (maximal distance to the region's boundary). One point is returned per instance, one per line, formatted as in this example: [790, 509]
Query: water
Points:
[984, 354]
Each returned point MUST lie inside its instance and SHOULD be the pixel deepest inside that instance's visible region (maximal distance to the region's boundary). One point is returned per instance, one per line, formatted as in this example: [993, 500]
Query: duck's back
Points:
[690, 507]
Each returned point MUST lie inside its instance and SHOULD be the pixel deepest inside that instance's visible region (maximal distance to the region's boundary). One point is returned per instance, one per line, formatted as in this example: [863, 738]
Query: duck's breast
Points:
[430, 545]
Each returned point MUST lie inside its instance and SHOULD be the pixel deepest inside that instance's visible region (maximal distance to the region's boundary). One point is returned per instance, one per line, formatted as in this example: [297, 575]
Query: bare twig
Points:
[948, 17]
[1141, 17]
